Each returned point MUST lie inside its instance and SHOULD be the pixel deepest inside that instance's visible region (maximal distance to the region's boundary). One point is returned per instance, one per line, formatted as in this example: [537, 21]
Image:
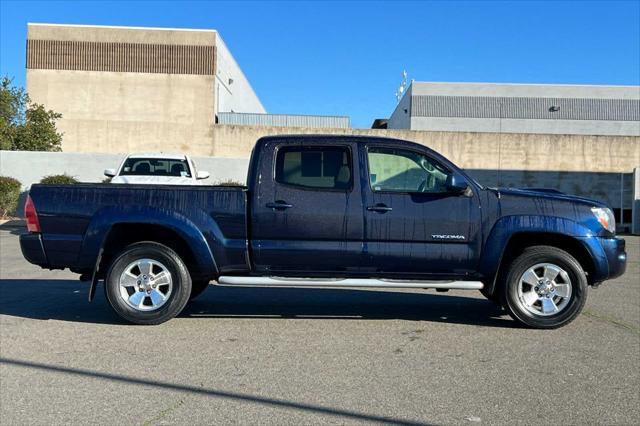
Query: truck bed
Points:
[71, 217]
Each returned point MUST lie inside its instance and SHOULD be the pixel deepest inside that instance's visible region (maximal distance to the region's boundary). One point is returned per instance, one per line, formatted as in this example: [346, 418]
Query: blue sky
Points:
[346, 58]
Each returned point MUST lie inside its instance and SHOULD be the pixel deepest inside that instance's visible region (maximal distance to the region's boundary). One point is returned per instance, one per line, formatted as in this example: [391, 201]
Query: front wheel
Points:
[147, 284]
[545, 287]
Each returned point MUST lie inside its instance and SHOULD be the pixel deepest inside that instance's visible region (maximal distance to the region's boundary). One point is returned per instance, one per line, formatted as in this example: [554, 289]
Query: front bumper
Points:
[614, 250]
[608, 257]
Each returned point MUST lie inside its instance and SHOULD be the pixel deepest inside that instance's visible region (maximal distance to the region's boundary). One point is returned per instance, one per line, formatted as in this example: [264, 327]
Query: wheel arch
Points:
[518, 241]
[522, 240]
[113, 228]
[121, 235]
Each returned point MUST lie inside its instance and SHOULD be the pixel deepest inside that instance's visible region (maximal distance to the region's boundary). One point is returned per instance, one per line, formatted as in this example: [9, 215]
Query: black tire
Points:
[181, 283]
[528, 259]
[198, 287]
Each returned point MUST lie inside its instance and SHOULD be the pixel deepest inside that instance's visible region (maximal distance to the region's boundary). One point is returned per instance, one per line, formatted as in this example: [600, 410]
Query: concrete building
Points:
[123, 89]
[519, 108]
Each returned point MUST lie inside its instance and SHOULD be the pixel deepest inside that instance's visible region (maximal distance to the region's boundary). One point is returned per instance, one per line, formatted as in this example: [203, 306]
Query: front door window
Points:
[399, 170]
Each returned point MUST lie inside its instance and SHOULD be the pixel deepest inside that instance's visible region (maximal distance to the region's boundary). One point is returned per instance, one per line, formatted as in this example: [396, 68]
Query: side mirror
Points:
[456, 183]
[202, 175]
[110, 172]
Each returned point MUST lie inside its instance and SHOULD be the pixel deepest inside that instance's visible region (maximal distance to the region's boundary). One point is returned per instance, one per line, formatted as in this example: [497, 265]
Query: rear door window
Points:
[317, 167]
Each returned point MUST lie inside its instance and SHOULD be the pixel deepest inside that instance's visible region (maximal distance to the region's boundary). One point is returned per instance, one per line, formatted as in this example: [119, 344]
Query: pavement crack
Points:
[610, 320]
[412, 338]
[163, 413]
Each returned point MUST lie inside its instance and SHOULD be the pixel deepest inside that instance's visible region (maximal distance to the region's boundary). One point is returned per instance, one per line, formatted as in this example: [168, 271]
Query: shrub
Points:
[9, 194]
[229, 182]
[58, 180]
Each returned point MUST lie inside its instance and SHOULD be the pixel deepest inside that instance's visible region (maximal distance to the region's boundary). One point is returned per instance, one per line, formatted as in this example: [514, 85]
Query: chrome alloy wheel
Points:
[544, 289]
[145, 285]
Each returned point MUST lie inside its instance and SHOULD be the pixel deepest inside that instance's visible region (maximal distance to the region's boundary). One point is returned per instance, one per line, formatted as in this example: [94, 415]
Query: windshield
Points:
[155, 167]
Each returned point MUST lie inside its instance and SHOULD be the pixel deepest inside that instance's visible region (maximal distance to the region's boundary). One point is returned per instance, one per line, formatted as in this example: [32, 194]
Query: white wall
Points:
[29, 167]
[237, 96]
[401, 119]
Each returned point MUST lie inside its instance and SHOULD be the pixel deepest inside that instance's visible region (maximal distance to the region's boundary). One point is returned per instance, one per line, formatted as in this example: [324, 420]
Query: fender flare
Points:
[104, 220]
[509, 226]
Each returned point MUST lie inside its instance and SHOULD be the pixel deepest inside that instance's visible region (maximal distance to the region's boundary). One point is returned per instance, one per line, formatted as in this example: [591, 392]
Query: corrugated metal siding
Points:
[120, 57]
[283, 120]
[525, 108]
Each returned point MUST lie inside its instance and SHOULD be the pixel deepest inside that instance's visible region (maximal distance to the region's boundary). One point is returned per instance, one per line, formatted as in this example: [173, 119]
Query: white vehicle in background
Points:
[158, 169]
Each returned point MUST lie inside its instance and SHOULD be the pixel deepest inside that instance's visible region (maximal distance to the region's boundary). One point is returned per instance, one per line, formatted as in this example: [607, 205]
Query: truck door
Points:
[306, 209]
[413, 225]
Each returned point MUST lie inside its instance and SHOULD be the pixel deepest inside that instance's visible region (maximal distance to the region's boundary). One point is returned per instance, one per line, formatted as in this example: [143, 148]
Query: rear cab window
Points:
[155, 167]
[315, 167]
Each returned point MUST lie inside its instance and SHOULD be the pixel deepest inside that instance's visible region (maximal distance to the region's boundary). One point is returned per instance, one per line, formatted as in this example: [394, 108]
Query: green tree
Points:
[25, 125]
[12, 107]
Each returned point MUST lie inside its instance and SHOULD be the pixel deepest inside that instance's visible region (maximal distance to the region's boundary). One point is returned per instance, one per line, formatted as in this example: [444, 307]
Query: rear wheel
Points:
[147, 283]
[545, 287]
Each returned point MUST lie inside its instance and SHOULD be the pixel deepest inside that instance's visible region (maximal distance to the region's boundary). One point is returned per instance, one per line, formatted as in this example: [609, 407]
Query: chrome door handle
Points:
[279, 205]
[379, 208]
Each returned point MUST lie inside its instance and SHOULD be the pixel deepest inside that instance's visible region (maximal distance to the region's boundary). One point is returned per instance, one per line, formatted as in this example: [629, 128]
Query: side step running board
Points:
[345, 282]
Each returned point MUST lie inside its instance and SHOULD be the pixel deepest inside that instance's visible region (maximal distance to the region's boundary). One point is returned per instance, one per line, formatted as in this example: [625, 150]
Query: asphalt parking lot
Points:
[289, 356]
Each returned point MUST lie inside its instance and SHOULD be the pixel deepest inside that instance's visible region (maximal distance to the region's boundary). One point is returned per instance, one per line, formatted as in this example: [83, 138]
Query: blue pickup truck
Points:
[332, 211]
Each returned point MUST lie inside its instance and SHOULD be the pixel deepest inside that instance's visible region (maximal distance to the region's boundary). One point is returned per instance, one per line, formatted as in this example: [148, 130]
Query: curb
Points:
[12, 223]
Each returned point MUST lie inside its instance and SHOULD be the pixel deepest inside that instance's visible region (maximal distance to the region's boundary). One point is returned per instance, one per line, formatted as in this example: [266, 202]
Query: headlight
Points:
[606, 218]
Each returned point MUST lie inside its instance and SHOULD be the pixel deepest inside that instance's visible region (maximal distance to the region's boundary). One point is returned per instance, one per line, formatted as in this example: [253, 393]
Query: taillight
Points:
[33, 224]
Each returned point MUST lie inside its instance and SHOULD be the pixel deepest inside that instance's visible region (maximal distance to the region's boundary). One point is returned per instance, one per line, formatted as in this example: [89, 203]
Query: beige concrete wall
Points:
[484, 151]
[104, 34]
[119, 93]
[120, 112]
[147, 118]
[117, 112]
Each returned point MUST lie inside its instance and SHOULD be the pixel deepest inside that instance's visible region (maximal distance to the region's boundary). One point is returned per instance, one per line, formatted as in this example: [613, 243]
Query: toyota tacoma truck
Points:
[328, 211]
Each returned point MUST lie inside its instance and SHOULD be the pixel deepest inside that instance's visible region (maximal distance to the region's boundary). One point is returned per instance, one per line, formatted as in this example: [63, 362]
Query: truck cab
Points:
[370, 207]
